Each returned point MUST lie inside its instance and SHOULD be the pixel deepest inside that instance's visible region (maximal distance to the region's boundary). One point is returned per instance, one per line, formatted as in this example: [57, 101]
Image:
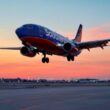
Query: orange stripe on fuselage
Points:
[43, 44]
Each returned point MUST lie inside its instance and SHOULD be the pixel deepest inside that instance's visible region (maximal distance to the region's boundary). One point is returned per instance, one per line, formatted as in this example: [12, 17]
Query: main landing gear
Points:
[45, 59]
[70, 58]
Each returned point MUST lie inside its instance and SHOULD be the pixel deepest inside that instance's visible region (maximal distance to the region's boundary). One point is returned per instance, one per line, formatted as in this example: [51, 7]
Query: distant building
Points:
[87, 80]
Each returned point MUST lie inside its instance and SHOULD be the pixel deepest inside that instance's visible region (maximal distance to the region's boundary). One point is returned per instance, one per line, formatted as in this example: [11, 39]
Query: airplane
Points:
[38, 39]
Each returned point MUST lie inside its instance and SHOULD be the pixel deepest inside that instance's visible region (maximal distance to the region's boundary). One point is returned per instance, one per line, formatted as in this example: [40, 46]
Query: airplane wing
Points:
[10, 48]
[93, 44]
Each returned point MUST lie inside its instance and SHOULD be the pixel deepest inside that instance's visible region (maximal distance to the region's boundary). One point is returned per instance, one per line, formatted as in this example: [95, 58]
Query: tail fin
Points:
[79, 34]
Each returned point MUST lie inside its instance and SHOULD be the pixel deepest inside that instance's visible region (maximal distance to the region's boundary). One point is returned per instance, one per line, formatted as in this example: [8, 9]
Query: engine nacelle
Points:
[27, 51]
[67, 46]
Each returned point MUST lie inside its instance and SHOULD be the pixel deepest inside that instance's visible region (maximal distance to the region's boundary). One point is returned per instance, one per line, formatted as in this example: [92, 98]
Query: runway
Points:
[64, 98]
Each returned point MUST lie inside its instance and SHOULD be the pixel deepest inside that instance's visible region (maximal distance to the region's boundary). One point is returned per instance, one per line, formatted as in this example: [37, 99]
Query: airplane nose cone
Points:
[18, 32]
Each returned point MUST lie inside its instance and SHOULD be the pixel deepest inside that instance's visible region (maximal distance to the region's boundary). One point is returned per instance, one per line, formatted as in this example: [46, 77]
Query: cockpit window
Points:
[28, 26]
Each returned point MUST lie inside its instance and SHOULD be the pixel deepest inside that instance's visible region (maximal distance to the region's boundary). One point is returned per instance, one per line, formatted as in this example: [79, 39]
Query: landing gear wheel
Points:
[70, 58]
[43, 60]
[47, 60]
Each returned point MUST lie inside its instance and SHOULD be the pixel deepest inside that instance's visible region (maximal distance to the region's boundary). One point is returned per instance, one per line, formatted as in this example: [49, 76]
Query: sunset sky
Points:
[62, 16]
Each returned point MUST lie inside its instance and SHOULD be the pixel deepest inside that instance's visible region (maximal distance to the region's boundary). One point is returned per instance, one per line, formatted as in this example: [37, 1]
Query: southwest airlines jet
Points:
[38, 39]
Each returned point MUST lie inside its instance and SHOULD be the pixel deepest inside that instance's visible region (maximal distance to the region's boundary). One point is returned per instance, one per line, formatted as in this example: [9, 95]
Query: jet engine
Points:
[28, 51]
[67, 46]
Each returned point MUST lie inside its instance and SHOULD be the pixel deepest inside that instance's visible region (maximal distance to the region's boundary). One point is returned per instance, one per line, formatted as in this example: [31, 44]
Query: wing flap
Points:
[93, 44]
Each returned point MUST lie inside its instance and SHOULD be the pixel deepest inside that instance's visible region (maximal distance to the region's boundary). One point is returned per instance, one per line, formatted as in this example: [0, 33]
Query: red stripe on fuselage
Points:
[43, 44]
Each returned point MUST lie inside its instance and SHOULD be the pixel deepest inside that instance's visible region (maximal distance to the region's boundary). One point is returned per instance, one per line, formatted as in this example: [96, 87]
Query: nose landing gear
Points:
[45, 59]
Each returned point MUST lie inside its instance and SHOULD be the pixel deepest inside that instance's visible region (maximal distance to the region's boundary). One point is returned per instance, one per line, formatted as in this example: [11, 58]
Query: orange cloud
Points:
[97, 33]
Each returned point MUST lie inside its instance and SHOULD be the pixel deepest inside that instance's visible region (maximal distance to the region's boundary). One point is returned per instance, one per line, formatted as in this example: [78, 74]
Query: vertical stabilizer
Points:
[79, 34]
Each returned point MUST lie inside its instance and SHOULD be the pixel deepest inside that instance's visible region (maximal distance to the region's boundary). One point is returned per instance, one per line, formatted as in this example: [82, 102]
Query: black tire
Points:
[68, 58]
[72, 58]
[47, 60]
[43, 60]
